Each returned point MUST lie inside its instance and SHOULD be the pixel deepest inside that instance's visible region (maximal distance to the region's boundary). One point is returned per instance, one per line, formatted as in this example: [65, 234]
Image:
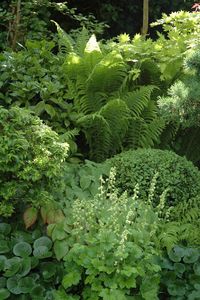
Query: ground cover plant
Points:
[28, 266]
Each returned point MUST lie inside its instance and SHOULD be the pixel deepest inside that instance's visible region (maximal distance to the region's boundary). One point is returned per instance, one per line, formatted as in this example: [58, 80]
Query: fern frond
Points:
[138, 99]
[65, 41]
[152, 133]
[150, 73]
[81, 41]
[169, 235]
[97, 132]
[117, 115]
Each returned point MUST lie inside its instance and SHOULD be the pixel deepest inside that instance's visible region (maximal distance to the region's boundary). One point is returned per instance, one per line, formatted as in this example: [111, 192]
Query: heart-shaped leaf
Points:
[22, 249]
[4, 294]
[30, 216]
[43, 241]
[61, 248]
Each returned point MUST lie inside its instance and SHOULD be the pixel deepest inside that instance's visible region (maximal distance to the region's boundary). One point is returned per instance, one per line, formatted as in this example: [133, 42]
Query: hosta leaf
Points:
[37, 291]
[43, 241]
[42, 252]
[22, 249]
[176, 254]
[5, 228]
[179, 268]
[2, 262]
[25, 267]
[30, 216]
[4, 246]
[12, 266]
[176, 288]
[2, 282]
[26, 284]
[4, 294]
[12, 286]
[61, 248]
[34, 262]
[196, 268]
[21, 236]
[191, 255]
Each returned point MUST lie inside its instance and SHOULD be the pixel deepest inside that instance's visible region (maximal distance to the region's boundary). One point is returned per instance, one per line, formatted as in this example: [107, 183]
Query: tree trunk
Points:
[145, 17]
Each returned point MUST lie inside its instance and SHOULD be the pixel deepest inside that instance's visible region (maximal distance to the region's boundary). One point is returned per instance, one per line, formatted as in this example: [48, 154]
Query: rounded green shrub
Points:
[159, 170]
[31, 159]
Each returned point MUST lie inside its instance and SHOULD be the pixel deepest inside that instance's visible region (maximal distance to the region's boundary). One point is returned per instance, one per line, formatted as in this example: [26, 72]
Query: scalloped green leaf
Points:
[191, 255]
[176, 254]
[196, 268]
[25, 267]
[2, 262]
[12, 266]
[72, 278]
[12, 285]
[22, 249]
[42, 252]
[4, 246]
[4, 294]
[26, 284]
[43, 241]
[2, 282]
[37, 291]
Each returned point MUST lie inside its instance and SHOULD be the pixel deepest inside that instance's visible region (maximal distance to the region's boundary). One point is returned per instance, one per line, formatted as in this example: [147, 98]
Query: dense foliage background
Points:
[99, 151]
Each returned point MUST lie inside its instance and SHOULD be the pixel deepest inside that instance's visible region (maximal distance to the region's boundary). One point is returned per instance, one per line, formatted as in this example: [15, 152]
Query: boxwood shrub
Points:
[172, 174]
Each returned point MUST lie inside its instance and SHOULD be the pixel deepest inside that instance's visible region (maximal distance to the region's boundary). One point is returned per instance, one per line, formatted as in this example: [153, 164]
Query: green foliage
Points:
[181, 107]
[28, 268]
[81, 181]
[33, 78]
[174, 175]
[114, 110]
[31, 159]
[108, 247]
[182, 103]
[22, 20]
[181, 26]
[181, 273]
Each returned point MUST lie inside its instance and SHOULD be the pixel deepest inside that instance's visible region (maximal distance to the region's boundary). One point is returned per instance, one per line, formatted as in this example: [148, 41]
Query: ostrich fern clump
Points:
[113, 111]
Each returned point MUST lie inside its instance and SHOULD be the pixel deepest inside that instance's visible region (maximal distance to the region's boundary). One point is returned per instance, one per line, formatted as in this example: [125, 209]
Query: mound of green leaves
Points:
[181, 273]
[108, 245]
[31, 159]
[28, 269]
[171, 174]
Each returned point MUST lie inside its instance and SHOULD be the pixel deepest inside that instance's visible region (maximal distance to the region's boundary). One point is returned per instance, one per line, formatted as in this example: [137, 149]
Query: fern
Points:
[65, 41]
[111, 117]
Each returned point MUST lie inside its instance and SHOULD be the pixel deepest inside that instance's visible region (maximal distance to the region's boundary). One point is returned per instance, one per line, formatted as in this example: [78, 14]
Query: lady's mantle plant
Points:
[108, 247]
[31, 158]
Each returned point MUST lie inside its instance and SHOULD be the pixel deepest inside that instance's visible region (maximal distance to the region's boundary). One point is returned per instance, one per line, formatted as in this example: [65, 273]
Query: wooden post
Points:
[145, 24]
